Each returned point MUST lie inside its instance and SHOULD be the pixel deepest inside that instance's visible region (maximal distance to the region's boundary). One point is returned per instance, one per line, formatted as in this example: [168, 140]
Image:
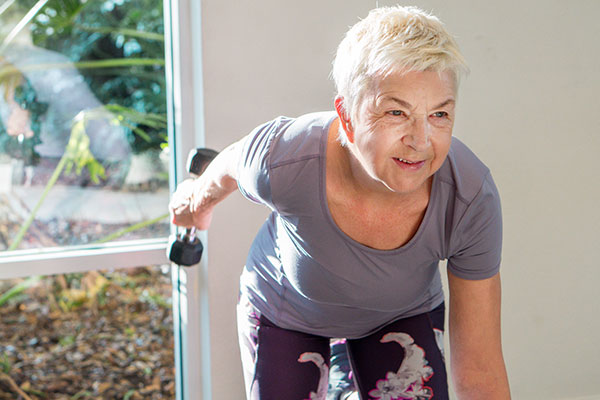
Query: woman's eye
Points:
[396, 113]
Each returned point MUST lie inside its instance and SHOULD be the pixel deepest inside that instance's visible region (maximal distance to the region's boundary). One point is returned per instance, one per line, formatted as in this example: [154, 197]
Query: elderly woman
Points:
[365, 202]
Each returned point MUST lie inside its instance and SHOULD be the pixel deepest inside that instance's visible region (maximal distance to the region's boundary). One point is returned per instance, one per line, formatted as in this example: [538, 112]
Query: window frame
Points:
[63, 260]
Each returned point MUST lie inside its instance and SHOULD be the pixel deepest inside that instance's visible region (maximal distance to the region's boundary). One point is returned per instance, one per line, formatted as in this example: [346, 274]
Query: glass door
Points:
[90, 128]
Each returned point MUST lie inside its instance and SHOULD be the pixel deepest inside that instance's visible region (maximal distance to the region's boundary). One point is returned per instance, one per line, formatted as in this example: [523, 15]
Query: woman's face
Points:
[403, 128]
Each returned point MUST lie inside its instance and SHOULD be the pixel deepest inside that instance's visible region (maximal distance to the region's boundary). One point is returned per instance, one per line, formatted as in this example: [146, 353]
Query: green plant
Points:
[117, 47]
[66, 340]
[18, 92]
[18, 289]
[82, 394]
[5, 364]
[151, 297]
[132, 228]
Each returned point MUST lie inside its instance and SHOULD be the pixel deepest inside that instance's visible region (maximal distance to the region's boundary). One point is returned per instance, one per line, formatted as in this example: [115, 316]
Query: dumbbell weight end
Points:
[185, 251]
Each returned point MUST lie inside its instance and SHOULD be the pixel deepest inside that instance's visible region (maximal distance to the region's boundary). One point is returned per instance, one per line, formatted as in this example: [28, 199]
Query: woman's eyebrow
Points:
[401, 102]
[448, 102]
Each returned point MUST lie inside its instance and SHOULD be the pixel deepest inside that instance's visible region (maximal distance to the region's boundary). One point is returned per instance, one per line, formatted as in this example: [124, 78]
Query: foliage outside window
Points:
[82, 104]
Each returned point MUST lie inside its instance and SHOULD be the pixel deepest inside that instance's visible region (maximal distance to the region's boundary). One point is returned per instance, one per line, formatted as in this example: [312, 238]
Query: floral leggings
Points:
[402, 360]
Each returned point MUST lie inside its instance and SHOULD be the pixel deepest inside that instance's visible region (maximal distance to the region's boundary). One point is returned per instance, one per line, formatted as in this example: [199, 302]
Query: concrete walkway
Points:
[93, 204]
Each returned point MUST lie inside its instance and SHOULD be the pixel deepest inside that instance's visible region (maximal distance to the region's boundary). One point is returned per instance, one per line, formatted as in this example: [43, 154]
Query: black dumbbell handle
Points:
[198, 159]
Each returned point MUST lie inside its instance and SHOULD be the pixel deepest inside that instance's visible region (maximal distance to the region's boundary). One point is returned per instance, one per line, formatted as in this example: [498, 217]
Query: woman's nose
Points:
[418, 135]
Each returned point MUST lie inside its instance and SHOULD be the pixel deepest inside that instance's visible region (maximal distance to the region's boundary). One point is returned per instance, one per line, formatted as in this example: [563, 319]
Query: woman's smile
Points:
[408, 165]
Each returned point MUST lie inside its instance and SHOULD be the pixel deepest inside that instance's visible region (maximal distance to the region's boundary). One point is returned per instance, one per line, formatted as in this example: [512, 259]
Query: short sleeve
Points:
[253, 166]
[477, 241]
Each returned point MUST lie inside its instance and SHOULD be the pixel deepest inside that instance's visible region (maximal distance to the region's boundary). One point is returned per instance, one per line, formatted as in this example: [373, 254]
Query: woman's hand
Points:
[186, 207]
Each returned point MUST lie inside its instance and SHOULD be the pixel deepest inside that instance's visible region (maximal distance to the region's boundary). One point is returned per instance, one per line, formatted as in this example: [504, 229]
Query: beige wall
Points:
[528, 109]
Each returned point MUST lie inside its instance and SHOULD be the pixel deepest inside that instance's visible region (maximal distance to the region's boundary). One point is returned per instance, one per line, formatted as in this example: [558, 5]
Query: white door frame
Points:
[183, 56]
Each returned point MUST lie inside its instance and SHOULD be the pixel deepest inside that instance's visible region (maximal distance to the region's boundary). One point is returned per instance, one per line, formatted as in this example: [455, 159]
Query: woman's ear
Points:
[344, 118]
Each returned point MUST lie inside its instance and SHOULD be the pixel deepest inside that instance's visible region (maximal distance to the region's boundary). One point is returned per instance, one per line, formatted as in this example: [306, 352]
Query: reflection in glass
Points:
[96, 334]
[83, 136]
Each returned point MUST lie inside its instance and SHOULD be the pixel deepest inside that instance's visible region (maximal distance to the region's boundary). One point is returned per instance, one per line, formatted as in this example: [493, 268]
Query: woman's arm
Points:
[193, 202]
[477, 364]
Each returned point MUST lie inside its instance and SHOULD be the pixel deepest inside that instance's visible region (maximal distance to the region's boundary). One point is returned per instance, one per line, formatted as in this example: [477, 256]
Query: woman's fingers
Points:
[185, 209]
[180, 204]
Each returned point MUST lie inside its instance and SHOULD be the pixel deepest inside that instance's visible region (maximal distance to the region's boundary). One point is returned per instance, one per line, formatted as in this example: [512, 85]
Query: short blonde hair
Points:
[392, 39]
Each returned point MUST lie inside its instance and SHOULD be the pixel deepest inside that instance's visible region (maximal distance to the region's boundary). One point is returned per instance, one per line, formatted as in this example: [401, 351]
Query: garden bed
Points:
[96, 335]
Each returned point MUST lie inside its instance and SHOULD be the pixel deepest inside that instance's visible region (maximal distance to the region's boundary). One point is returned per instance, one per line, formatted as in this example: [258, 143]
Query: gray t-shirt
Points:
[303, 273]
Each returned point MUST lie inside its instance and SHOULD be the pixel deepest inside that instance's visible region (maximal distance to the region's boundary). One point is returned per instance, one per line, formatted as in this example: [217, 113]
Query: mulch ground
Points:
[95, 335]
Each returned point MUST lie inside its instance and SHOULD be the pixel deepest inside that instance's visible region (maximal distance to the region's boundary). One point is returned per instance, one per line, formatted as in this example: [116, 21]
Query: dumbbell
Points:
[185, 248]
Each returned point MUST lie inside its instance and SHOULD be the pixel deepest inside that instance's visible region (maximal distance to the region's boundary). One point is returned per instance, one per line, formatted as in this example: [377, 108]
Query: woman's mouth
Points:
[408, 164]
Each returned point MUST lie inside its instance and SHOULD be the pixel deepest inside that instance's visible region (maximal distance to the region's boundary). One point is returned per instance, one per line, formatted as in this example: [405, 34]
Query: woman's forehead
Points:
[412, 80]
[406, 88]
